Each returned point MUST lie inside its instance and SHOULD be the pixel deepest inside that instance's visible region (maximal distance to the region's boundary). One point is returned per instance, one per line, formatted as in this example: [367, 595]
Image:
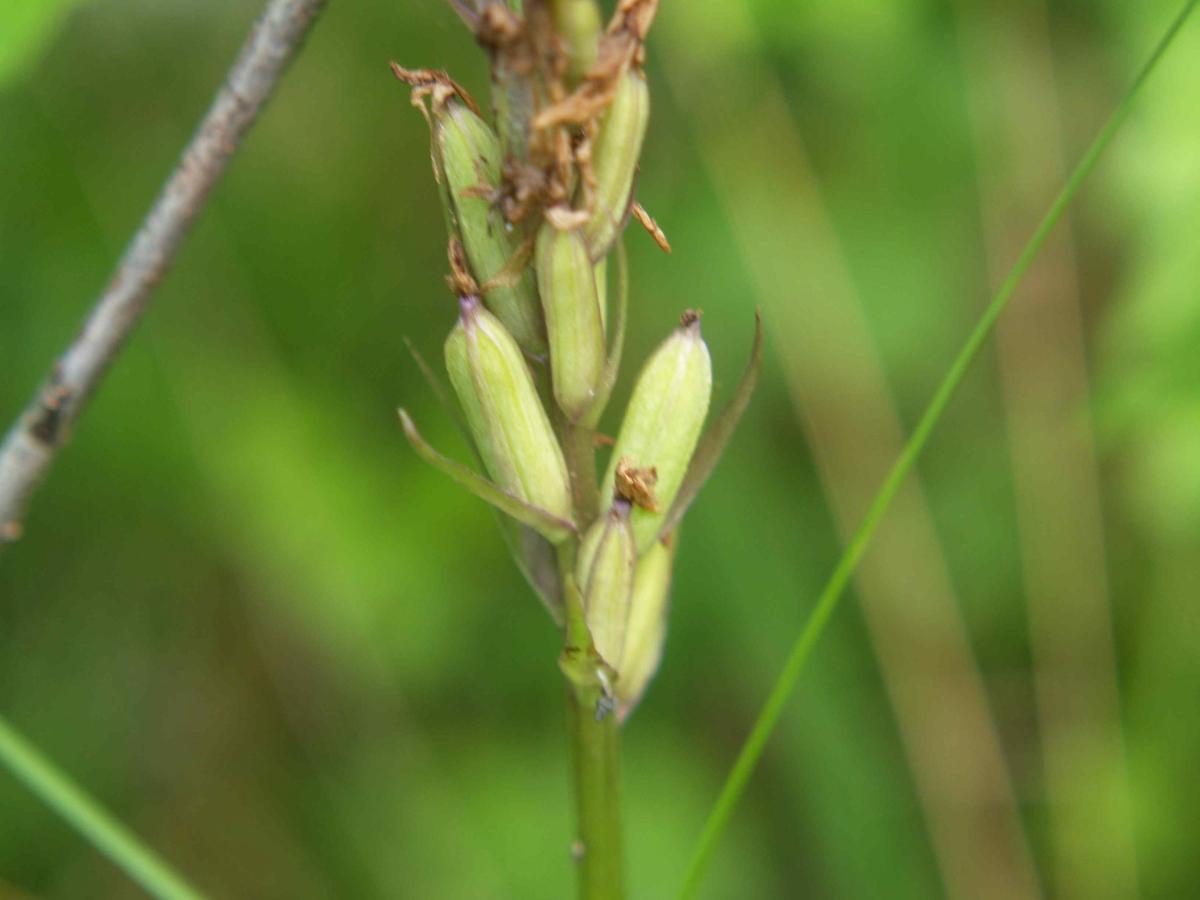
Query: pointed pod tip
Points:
[691, 320]
[406, 422]
[468, 308]
[621, 509]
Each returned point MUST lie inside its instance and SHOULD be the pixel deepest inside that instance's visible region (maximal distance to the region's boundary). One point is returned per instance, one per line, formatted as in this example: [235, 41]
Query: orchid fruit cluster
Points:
[535, 202]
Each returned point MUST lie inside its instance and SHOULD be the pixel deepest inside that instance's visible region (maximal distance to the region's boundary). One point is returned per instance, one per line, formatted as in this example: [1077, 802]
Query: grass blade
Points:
[87, 817]
[828, 600]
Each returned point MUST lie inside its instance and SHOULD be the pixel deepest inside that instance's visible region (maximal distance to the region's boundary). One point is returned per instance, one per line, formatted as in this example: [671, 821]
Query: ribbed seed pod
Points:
[663, 422]
[470, 157]
[647, 629]
[604, 570]
[574, 327]
[579, 23]
[615, 160]
[503, 411]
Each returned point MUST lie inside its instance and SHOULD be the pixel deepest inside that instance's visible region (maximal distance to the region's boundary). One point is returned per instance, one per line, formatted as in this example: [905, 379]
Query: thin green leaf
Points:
[87, 817]
[534, 556]
[444, 398]
[532, 553]
[552, 527]
[27, 28]
[716, 438]
[829, 598]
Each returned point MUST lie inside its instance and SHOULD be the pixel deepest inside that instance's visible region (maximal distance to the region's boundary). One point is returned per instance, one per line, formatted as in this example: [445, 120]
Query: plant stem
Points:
[87, 817]
[579, 448]
[595, 773]
[596, 776]
[828, 601]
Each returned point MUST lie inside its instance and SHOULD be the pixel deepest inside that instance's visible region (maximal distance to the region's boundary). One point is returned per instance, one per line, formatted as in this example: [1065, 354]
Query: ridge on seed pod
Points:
[662, 423]
[615, 158]
[604, 570]
[646, 631]
[574, 320]
[470, 159]
[503, 410]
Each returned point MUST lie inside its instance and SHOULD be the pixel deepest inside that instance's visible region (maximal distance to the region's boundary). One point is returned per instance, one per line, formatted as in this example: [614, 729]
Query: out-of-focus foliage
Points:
[300, 662]
[26, 26]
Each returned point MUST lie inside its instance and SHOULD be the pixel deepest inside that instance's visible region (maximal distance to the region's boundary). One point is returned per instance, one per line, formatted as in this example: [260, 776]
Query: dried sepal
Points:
[652, 227]
[619, 50]
[636, 485]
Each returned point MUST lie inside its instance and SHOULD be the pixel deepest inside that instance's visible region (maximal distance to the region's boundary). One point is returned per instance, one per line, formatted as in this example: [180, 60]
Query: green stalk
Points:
[829, 598]
[579, 450]
[595, 774]
[87, 817]
[594, 770]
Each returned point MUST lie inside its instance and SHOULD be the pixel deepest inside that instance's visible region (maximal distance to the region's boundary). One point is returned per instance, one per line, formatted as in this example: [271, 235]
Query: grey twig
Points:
[43, 428]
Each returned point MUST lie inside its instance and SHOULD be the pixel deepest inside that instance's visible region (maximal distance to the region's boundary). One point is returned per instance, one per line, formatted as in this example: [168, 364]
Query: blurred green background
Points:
[300, 663]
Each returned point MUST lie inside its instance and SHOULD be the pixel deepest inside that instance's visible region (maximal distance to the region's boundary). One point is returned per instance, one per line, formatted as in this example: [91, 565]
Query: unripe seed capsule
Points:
[579, 24]
[471, 159]
[574, 327]
[604, 571]
[503, 411]
[647, 628]
[615, 160]
[663, 422]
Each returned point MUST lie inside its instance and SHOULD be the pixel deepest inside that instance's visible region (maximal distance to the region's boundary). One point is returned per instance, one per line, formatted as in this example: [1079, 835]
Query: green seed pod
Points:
[615, 160]
[567, 286]
[604, 571]
[470, 158]
[647, 628]
[663, 423]
[504, 413]
[578, 23]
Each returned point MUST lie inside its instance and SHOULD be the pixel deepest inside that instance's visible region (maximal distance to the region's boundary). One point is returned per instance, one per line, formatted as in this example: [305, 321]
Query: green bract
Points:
[663, 422]
[602, 291]
[503, 411]
[470, 157]
[574, 324]
[604, 571]
[615, 161]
